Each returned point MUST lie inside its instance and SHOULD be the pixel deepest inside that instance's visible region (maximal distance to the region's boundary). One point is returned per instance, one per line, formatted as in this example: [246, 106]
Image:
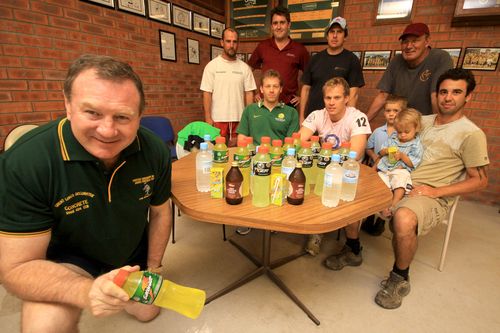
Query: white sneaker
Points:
[314, 244]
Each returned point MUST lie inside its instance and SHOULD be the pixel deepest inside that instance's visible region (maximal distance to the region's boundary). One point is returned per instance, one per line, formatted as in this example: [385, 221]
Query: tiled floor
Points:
[465, 297]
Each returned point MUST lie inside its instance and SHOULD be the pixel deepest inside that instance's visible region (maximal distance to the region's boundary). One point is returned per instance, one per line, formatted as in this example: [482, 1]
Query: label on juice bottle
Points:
[148, 288]
[243, 160]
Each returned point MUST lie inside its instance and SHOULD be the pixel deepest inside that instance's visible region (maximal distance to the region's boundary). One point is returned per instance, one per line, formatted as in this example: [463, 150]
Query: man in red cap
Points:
[413, 73]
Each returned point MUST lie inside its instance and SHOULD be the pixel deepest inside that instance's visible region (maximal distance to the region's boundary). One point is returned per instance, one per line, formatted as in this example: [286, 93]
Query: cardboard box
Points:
[217, 182]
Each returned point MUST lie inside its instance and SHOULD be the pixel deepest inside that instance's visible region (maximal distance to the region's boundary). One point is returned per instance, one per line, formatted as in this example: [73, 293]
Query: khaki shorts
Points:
[430, 212]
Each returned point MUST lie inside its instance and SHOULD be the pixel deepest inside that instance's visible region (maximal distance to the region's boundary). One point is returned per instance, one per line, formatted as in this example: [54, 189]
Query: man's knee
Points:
[404, 222]
[49, 317]
[142, 312]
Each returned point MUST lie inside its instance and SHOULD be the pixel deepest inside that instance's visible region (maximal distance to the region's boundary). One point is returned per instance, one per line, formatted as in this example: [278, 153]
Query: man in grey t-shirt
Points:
[413, 73]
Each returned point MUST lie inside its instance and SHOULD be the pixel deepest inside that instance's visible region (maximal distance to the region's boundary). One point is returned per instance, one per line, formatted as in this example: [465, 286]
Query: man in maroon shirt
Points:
[282, 54]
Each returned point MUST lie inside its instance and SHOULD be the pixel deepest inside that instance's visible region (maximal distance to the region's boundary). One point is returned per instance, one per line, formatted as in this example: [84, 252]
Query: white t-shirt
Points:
[227, 81]
[354, 122]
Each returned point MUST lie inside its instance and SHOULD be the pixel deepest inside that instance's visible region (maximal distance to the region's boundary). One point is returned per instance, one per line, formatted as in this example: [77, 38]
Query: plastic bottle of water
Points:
[350, 179]
[208, 140]
[276, 153]
[332, 184]
[305, 157]
[288, 165]
[324, 158]
[261, 178]
[242, 156]
[316, 148]
[203, 165]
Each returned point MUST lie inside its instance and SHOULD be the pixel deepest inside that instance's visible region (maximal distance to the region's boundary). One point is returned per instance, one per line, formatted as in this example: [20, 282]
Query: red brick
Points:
[7, 61]
[109, 23]
[45, 85]
[46, 8]
[14, 107]
[38, 63]
[16, 3]
[55, 95]
[8, 38]
[29, 16]
[21, 51]
[48, 106]
[54, 75]
[5, 96]
[13, 85]
[50, 32]
[7, 119]
[57, 114]
[91, 28]
[33, 117]
[64, 23]
[24, 73]
[6, 13]
[29, 96]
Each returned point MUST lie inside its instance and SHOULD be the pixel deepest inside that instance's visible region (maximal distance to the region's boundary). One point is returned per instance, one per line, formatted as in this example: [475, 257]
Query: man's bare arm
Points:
[353, 96]
[304, 96]
[160, 225]
[207, 107]
[377, 105]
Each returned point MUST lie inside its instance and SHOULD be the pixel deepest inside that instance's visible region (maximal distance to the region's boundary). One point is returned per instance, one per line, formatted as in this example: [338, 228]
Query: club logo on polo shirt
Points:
[144, 184]
[75, 202]
[280, 117]
[425, 75]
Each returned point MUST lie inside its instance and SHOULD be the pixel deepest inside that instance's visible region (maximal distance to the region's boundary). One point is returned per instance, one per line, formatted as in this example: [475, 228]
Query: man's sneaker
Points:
[344, 258]
[314, 244]
[243, 231]
[394, 288]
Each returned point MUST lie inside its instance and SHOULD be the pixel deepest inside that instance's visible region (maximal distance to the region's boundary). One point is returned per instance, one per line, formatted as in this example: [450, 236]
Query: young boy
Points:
[400, 155]
[392, 106]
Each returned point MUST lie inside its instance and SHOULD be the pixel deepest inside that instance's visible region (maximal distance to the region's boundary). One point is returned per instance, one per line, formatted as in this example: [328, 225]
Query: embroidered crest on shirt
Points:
[425, 75]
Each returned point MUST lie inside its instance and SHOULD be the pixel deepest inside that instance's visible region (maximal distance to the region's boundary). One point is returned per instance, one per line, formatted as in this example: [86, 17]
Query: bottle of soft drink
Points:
[150, 288]
[332, 185]
[297, 181]
[288, 165]
[208, 140]
[221, 155]
[234, 184]
[350, 179]
[316, 148]
[261, 178]
[276, 153]
[305, 157]
[242, 156]
[324, 158]
[288, 144]
[296, 141]
[250, 146]
[344, 150]
[203, 165]
[265, 141]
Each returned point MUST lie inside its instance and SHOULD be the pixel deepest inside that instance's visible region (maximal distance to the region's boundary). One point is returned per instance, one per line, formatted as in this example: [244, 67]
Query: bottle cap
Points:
[315, 138]
[242, 143]
[296, 135]
[277, 143]
[203, 146]
[234, 163]
[290, 152]
[207, 137]
[265, 139]
[352, 154]
[335, 158]
[263, 149]
[121, 277]
[249, 140]
[298, 165]
[306, 144]
[346, 144]
[327, 145]
[220, 139]
[288, 139]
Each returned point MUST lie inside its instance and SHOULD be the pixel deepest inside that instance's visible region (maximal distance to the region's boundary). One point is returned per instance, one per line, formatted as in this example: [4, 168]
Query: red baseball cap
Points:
[416, 29]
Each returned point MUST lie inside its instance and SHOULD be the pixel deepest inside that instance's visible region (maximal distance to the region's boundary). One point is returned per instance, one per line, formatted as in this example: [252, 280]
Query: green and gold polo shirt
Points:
[50, 183]
[257, 121]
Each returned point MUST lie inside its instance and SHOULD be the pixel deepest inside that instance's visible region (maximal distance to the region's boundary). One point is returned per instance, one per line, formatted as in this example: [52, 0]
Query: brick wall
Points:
[38, 39]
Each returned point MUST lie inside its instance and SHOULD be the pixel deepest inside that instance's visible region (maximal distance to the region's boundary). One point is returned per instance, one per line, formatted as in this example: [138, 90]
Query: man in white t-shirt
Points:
[228, 86]
[338, 123]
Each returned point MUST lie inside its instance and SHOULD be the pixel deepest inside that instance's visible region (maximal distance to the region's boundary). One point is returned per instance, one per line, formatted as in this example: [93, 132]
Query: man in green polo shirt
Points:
[269, 117]
[74, 201]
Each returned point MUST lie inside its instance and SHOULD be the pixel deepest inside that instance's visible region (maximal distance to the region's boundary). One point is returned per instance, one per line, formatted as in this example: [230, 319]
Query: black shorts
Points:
[95, 267]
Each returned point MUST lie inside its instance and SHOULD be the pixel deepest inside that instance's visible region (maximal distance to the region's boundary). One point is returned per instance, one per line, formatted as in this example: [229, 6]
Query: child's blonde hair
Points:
[408, 116]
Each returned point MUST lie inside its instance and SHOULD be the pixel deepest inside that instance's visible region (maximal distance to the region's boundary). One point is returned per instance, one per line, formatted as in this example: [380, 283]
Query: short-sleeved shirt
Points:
[377, 139]
[324, 66]
[416, 84]
[448, 150]
[50, 183]
[258, 121]
[288, 61]
[354, 122]
[227, 81]
[413, 149]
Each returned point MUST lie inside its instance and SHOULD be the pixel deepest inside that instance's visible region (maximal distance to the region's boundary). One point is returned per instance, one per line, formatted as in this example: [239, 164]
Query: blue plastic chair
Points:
[162, 127]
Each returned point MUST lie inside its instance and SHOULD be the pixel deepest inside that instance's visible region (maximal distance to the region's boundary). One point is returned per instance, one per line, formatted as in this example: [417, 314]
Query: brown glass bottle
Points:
[234, 181]
[297, 186]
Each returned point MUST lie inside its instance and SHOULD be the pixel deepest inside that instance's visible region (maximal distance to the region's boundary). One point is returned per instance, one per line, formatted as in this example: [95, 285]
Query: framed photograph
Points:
[241, 56]
[193, 51]
[376, 60]
[480, 58]
[358, 54]
[250, 18]
[476, 12]
[133, 6]
[455, 55]
[215, 51]
[181, 17]
[216, 28]
[105, 3]
[167, 46]
[201, 24]
[393, 11]
[159, 11]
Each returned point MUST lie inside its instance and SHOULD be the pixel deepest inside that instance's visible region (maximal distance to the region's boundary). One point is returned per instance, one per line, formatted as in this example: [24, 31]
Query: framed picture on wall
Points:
[215, 51]
[167, 46]
[201, 24]
[393, 11]
[455, 55]
[106, 3]
[216, 28]
[181, 17]
[193, 51]
[476, 12]
[159, 11]
[133, 6]
[481, 58]
[376, 60]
